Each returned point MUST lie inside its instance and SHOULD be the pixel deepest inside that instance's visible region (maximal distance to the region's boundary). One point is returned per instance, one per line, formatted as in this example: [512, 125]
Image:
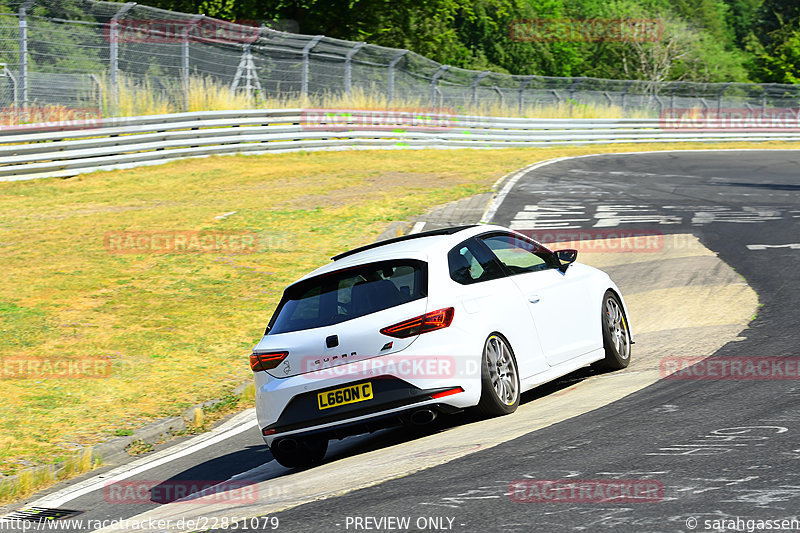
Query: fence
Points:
[78, 52]
[28, 152]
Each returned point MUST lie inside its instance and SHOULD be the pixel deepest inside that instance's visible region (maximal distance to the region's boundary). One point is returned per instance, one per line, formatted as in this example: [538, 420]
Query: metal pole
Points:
[475, 84]
[113, 34]
[392, 64]
[660, 105]
[185, 59]
[306, 51]
[764, 100]
[500, 94]
[719, 98]
[5, 72]
[248, 88]
[439, 73]
[624, 95]
[23, 49]
[575, 82]
[348, 67]
[522, 86]
[96, 81]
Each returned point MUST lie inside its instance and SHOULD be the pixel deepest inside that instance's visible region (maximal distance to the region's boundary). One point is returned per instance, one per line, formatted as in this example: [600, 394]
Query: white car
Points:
[431, 323]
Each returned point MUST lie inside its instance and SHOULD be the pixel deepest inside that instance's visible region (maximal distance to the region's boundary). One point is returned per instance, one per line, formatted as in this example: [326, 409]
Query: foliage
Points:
[776, 44]
[703, 40]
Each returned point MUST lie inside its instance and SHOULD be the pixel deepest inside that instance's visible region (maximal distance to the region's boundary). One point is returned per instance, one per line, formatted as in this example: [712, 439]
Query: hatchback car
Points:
[404, 330]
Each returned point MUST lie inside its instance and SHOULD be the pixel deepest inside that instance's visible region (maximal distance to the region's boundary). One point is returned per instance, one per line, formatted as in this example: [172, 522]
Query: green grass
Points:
[177, 328]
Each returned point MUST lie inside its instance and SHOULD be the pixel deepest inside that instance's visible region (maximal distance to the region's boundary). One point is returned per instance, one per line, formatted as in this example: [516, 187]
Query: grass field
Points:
[176, 328]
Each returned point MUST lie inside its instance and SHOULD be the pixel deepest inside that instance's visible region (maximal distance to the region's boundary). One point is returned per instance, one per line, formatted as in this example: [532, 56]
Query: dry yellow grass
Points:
[177, 327]
[28, 481]
[137, 97]
[206, 95]
[141, 97]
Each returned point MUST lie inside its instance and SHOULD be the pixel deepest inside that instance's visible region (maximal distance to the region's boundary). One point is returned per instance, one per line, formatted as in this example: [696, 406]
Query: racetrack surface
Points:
[677, 433]
[720, 449]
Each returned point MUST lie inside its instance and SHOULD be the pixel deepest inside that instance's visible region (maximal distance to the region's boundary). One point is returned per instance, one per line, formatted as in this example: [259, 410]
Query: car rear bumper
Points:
[289, 406]
[367, 423]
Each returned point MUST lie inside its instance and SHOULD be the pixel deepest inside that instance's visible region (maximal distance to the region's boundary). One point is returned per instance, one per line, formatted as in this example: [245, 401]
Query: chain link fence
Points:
[81, 53]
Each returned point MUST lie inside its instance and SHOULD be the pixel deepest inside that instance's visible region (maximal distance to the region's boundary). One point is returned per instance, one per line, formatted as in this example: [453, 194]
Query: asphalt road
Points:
[707, 450]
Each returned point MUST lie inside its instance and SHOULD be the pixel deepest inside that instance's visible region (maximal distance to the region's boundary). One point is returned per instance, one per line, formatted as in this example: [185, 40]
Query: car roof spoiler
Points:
[431, 233]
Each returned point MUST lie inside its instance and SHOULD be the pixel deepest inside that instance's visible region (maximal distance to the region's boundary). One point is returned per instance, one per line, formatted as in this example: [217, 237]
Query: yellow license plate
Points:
[345, 395]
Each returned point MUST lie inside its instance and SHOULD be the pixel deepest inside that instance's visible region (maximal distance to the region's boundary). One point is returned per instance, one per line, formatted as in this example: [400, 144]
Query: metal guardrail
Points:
[49, 150]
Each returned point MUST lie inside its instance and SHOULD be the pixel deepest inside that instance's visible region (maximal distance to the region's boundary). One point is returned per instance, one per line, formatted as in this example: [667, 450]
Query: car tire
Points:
[500, 390]
[299, 453]
[616, 334]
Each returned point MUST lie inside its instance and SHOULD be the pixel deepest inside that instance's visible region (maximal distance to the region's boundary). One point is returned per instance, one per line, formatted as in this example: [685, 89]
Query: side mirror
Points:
[566, 258]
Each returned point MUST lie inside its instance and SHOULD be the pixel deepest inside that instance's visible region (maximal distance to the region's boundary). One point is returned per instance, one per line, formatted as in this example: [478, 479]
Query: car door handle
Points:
[533, 298]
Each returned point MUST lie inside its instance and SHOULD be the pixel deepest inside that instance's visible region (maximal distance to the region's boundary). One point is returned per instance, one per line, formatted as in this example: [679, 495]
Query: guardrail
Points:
[59, 150]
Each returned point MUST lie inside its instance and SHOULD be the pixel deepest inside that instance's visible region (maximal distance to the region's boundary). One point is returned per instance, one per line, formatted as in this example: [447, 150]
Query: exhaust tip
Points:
[423, 416]
[287, 445]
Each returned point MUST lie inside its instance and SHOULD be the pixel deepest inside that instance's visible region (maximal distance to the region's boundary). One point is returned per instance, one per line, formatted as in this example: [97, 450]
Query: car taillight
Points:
[448, 392]
[421, 324]
[266, 361]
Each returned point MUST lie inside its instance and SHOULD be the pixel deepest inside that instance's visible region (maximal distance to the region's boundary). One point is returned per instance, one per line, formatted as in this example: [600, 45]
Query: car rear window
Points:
[349, 293]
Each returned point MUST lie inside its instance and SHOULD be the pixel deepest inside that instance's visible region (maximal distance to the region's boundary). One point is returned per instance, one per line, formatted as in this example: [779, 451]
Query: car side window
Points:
[470, 263]
[519, 255]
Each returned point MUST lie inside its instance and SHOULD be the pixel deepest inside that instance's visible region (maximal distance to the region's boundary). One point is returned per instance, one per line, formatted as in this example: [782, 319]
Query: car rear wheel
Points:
[499, 378]
[299, 453]
[616, 335]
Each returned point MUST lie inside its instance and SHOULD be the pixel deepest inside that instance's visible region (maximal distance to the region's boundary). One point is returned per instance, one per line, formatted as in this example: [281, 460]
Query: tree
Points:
[777, 48]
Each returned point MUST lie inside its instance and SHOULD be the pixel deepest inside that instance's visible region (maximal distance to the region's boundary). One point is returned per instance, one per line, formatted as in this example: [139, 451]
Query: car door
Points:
[489, 295]
[558, 301]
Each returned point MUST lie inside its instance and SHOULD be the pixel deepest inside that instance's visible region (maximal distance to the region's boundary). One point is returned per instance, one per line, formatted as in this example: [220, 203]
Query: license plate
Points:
[345, 395]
